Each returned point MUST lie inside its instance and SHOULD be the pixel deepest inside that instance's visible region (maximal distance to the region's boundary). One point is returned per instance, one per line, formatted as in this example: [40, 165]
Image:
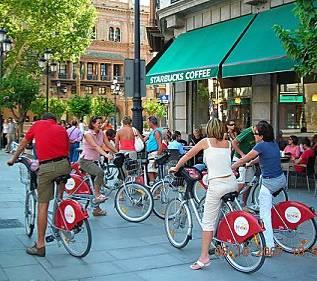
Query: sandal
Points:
[100, 199]
[97, 212]
[199, 265]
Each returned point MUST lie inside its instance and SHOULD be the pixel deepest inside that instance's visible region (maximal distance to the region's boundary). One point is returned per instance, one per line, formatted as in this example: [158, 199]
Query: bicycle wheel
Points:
[111, 181]
[199, 191]
[77, 241]
[178, 223]
[134, 202]
[303, 237]
[29, 212]
[162, 193]
[247, 257]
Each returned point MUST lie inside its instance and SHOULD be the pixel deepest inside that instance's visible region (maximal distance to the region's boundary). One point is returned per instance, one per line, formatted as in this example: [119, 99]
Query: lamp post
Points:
[49, 66]
[137, 105]
[115, 87]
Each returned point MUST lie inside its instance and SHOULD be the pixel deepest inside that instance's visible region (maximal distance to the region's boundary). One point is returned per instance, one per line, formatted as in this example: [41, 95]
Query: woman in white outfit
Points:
[217, 157]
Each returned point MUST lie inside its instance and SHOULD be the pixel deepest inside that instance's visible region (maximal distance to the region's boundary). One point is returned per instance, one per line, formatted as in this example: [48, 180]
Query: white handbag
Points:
[138, 142]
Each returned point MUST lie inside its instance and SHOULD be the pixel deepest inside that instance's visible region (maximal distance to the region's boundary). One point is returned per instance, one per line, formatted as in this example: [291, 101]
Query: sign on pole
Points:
[129, 78]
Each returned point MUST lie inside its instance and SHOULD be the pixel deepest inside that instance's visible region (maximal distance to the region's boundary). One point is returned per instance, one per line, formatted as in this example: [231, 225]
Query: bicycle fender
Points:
[68, 214]
[290, 214]
[77, 185]
[238, 226]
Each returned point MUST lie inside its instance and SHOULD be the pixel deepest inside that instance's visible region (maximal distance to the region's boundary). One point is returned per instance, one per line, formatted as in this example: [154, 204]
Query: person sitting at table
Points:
[175, 144]
[195, 138]
[292, 148]
[301, 163]
[183, 142]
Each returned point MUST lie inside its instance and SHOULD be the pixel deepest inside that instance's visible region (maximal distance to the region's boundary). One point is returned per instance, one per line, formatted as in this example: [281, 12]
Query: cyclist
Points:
[273, 177]
[217, 157]
[95, 143]
[52, 148]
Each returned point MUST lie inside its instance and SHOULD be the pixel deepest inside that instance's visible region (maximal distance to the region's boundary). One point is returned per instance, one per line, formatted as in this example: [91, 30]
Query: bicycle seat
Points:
[230, 196]
[62, 179]
[277, 192]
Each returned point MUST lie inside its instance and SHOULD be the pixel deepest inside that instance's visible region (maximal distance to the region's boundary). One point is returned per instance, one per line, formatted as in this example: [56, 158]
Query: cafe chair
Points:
[309, 172]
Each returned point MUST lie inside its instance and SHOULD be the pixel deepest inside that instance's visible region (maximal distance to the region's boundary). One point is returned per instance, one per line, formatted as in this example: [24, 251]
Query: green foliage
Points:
[101, 106]
[202, 90]
[57, 106]
[63, 26]
[153, 107]
[80, 106]
[38, 106]
[300, 44]
[17, 91]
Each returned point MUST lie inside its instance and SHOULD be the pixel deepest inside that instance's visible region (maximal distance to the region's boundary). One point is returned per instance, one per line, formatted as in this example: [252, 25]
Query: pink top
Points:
[293, 150]
[126, 145]
[89, 152]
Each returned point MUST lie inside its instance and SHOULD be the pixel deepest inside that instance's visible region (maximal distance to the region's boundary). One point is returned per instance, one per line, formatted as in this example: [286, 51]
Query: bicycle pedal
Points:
[49, 238]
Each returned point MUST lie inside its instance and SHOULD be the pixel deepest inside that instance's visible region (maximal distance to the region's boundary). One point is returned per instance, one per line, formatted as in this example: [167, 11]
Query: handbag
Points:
[138, 142]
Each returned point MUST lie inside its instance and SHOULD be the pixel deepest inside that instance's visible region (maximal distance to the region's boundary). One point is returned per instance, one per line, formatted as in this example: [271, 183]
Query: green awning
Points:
[260, 51]
[197, 54]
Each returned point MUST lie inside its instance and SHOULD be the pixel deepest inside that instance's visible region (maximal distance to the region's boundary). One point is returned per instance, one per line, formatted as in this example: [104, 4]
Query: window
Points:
[94, 33]
[75, 67]
[118, 35]
[103, 72]
[102, 91]
[111, 34]
[88, 90]
[62, 71]
[90, 67]
[116, 71]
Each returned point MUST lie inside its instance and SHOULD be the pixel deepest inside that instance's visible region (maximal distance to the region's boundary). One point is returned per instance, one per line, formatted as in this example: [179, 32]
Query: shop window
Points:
[118, 35]
[111, 34]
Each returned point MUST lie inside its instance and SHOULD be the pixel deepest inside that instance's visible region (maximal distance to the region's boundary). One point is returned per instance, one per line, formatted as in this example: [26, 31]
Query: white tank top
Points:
[218, 161]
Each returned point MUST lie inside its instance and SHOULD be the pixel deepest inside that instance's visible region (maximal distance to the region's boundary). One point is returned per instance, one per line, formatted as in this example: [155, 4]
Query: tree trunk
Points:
[78, 79]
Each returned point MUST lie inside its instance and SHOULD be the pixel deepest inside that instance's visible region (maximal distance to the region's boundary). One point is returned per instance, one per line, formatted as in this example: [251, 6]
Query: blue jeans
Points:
[74, 153]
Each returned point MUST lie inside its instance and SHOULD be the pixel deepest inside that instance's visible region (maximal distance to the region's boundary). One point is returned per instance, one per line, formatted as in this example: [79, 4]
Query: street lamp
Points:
[49, 66]
[115, 87]
[5, 47]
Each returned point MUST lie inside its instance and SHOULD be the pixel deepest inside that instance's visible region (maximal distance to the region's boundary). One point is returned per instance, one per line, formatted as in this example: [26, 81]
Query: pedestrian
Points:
[94, 144]
[12, 134]
[195, 138]
[82, 126]
[75, 136]
[154, 147]
[5, 127]
[267, 152]
[125, 138]
[243, 144]
[232, 130]
[217, 157]
[52, 147]
[106, 125]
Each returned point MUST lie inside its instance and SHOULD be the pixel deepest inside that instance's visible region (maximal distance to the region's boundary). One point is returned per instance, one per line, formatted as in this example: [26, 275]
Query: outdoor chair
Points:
[309, 172]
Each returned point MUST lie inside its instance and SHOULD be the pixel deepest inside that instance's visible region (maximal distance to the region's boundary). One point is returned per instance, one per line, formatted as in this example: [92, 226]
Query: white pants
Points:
[217, 188]
[265, 199]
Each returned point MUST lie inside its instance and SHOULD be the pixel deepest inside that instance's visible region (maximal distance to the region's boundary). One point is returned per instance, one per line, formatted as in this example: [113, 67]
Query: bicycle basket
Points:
[132, 166]
[24, 174]
[177, 181]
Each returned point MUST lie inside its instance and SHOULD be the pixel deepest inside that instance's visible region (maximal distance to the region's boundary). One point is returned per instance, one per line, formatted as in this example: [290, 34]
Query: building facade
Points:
[232, 80]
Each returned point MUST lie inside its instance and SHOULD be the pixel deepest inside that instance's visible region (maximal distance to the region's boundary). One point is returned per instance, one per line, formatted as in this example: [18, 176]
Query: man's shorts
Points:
[46, 175]
[246, 174]
[152, 166]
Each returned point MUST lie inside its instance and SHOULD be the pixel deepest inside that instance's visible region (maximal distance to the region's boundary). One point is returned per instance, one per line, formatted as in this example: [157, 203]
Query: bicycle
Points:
[236, 232]
[67, 220]
[133, 201]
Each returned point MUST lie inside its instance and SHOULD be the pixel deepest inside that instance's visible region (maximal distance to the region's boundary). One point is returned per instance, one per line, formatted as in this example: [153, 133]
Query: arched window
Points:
[111, 34]
[118, 35]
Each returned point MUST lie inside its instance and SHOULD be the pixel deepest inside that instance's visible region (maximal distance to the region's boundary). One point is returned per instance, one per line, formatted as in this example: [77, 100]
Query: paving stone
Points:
[16, 258]
[3, 276]
[28, 273]
[116, 277]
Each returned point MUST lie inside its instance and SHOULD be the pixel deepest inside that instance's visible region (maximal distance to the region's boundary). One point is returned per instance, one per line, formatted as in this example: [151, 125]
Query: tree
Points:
[153, 107]
[38, 106]
[80, 106]
[102, 107]
[17, 91]
[63, 26]
[300, 44]
[57, 107]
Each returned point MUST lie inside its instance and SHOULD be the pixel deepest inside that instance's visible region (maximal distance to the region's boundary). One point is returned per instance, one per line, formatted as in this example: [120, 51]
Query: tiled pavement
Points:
[124, 251]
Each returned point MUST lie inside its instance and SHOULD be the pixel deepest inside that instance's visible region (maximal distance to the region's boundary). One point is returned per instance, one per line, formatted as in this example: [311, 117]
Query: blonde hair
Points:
[126, 120]
[215, 129]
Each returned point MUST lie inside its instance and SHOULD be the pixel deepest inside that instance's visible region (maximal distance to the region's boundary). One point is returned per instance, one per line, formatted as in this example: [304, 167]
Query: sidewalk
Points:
[123, 251]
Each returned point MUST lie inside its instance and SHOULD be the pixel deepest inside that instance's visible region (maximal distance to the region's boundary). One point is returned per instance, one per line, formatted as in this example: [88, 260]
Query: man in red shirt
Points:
[302, 161]
[52, 148]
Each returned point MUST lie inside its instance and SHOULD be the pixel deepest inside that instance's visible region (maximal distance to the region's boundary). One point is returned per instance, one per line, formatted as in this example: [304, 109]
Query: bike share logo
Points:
[70, 184]
[293, 215]
[241, 226]
[69, 214]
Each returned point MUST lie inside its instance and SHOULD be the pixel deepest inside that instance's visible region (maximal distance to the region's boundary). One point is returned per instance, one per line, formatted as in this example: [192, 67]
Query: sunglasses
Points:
[231, 124]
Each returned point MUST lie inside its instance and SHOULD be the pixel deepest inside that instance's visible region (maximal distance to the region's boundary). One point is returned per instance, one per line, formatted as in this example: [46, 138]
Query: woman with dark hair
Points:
[232, 130]
[267, 152]
[292, 148]
[95, 143]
